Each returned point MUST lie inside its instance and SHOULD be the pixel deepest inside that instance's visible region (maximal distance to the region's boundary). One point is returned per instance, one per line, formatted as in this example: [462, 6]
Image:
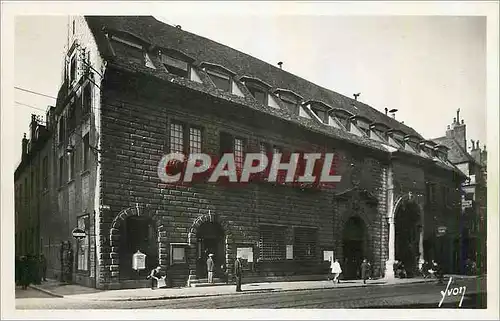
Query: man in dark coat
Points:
[43, 267]
[238, 271]
[365, 270]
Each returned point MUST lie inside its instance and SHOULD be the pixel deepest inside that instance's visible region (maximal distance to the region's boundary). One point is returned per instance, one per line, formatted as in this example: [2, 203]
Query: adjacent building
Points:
[135, 89]
[474, 190]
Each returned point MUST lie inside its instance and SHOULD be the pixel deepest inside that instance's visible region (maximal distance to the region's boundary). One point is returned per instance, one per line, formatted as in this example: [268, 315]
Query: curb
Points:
[250, 292]
[186, 296]
[46, 291]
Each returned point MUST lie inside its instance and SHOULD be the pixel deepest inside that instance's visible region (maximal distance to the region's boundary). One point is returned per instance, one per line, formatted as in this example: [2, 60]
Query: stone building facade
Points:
[471, 160]
[157, 89]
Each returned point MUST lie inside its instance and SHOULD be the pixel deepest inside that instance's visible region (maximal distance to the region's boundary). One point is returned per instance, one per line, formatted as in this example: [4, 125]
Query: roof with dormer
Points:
[156, 35]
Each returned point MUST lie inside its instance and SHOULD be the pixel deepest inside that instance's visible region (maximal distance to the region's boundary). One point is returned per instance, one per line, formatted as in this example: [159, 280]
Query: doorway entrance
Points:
[137, 233]
[353, 246]
[210, 240]
[408, 227]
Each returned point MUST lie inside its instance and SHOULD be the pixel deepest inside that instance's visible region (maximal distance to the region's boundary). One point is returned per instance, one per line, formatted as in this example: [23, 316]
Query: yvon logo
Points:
[453, 292]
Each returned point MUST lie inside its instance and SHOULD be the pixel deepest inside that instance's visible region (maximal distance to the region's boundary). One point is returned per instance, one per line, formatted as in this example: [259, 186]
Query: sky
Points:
[425, 66]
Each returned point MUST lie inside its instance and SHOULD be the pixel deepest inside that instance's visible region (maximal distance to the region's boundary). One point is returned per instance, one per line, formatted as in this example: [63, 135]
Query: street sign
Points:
[441, 230]
[78, 233]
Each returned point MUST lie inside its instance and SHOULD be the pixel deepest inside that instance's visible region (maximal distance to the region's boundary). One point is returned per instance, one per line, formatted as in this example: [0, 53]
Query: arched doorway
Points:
[137, 233]
[353, 246]
[210, 240]
[408, 225]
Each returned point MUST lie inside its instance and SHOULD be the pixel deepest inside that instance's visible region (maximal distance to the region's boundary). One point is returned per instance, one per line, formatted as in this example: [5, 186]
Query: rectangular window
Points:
[175, 66]
[86, 152]
[72, 69]
[62, 130]
[195, 139]
[239, 148]
[61, 171]
[71, 167]
[272, 243]
[45, 173]
[225, 143]
[258, 94]
[176, 138]
[83, 223]
[263, 149]
[72, 115]
[86, 100]
[221, 81]
[304, 244]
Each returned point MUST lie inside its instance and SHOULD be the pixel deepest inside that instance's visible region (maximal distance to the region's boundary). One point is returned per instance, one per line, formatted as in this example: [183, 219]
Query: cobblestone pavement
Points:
[397, 296]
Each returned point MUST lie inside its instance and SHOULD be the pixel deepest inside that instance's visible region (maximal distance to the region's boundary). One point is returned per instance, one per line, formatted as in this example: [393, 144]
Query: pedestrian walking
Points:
[238, 271]
[210, 268]
[336, 270]
[365, 270]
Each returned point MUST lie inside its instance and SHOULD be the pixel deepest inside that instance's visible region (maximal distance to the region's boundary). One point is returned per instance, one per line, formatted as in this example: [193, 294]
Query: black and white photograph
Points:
[288, 159]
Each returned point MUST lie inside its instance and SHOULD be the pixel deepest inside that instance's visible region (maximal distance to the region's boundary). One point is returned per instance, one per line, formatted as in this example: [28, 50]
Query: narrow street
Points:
[389, 296]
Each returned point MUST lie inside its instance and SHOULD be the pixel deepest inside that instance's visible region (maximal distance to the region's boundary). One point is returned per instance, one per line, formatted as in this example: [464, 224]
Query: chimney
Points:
[386, 111]
[356, 96]
[458, 131]
[24, 146]
[280, 64]
[476, 151]
[484, 156]
[33, 125]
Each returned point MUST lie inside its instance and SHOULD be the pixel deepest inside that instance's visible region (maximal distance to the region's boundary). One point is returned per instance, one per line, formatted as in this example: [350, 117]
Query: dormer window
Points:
[412, 142]
[290, 99]
[399, 138]
[128, 49]
[320, 110]
[258, 93]
[220, 80]
[363, 125]
[343, 117]
[175, 66]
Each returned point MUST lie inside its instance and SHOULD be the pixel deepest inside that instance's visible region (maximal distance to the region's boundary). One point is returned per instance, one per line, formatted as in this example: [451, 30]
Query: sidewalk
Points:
[77, 292]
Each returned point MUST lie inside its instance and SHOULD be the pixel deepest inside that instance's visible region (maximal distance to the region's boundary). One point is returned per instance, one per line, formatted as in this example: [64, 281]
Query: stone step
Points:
[197, 285]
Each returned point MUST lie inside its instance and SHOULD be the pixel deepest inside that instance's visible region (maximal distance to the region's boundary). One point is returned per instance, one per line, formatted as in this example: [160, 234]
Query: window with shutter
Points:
[272, 243]
[226, 143]
[305, 240]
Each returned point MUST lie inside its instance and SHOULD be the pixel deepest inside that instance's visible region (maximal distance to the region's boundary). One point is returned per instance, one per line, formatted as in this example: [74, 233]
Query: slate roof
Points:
[206, 50]
[160, 35]
[456, 153]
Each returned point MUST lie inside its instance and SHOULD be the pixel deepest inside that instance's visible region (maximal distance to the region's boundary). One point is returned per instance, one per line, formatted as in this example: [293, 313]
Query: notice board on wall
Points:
[328, 255]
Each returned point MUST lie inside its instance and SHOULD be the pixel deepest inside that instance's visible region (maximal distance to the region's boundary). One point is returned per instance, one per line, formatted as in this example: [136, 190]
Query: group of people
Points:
[158, 277]
[30, 269]
[365, 270]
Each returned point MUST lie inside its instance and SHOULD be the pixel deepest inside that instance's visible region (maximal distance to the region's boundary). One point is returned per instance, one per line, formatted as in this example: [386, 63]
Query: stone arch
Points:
[228, 240]
[408, 198]
[402, 202]
[114, 238]
[208, 218]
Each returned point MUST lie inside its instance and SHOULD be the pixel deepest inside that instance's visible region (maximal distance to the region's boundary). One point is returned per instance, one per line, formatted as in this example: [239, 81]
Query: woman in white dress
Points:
[336, 270]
